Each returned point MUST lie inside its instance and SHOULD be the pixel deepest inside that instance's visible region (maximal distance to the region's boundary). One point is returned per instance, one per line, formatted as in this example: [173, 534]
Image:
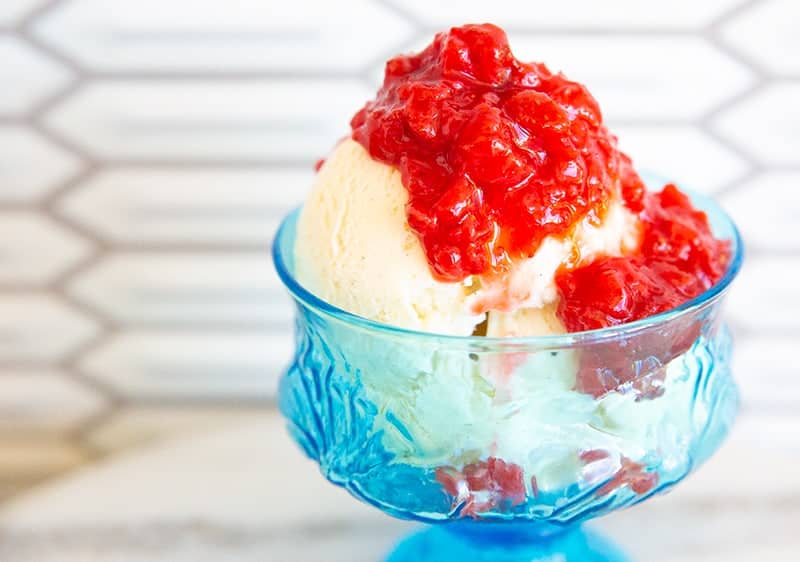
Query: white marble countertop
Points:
[245, 494]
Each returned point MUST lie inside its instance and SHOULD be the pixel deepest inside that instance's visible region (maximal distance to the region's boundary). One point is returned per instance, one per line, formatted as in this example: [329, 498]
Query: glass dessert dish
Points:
[506, 445]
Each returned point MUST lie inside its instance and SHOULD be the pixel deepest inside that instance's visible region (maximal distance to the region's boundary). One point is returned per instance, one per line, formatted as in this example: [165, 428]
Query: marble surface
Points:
[245, 494]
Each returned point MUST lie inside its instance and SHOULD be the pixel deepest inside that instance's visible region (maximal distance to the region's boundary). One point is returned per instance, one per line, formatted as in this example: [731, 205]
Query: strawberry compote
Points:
[497, 154]
[678, 259]
[484, 485]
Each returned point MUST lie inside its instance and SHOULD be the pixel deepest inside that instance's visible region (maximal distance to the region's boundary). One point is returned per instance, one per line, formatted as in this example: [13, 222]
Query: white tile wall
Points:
[682, 153]
[765, 298]
[187, 206]
[766, 124]
[212, 364]
[642, 78]
[628, 15]
[208, 121]
[214, 36]
[767, 373]
[766, 208]
[186, 289]
[137, 207]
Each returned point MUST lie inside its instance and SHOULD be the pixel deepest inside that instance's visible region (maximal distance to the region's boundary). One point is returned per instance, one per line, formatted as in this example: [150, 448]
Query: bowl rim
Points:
[706, 298]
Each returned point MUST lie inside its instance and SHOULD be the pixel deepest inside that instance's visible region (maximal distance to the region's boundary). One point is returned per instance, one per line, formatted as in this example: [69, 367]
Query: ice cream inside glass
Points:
[498, 325]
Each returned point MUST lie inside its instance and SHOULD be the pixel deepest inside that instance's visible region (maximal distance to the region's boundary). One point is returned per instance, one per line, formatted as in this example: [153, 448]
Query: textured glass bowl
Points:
[531, 434]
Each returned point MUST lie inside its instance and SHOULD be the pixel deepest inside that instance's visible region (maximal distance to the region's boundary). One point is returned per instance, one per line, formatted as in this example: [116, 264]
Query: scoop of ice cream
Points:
[354, 249]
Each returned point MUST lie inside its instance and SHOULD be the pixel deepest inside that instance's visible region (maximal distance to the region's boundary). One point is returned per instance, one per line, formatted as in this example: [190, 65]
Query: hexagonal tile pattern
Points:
[44, 401]
[672, 153]
[766, 370]
[210, 36]
[768, 33]
[140, 425]
[766, 124]
[34, 250]
[33, 76]
[764, 298]
[590, 14]
[767, 221]
[200, 365]
[11, 11]
[40, 328]
[204, 206]
[646, 78]
[208, 120]
[30, 165]
[187, 289]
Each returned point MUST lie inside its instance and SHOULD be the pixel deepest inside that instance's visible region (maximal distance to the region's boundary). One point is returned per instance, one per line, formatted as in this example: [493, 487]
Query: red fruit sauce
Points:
[484, 485]
[678, 259]
[630, 473]
[497, 154]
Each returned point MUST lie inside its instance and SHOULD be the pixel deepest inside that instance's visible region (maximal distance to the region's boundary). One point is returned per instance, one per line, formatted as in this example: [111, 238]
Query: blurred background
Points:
[148, 150]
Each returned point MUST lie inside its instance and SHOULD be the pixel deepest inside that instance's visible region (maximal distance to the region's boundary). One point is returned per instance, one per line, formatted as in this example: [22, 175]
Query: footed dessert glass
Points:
[507, 444]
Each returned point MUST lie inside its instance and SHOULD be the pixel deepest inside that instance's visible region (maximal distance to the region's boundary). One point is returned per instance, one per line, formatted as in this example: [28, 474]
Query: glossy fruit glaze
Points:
[678, 259]
[497, 154]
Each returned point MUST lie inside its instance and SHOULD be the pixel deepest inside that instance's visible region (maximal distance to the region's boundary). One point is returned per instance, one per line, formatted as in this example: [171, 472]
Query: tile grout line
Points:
[734, 147]
[39, 111]
[101, 164]
[177, 75]
[42, 129]
[732, 13]
[64, 188]
[166, 247]
[610, 31]
[784, 168]
[81, 434]
[41, 9]
[409, 17]
[735, 184]
[732, 102]
[200, 327]
[720, 44]
[26, 34]
[264, 403]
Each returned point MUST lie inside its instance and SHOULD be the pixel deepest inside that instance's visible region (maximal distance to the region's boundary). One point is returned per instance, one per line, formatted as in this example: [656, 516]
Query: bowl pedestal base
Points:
[505, 542]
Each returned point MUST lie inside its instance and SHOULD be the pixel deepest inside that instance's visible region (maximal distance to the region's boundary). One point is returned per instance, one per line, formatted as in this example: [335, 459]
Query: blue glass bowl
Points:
[508, 442]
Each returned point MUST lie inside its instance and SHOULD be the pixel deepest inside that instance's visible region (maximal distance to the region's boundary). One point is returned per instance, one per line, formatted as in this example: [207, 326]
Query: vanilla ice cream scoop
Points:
[355, 250]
